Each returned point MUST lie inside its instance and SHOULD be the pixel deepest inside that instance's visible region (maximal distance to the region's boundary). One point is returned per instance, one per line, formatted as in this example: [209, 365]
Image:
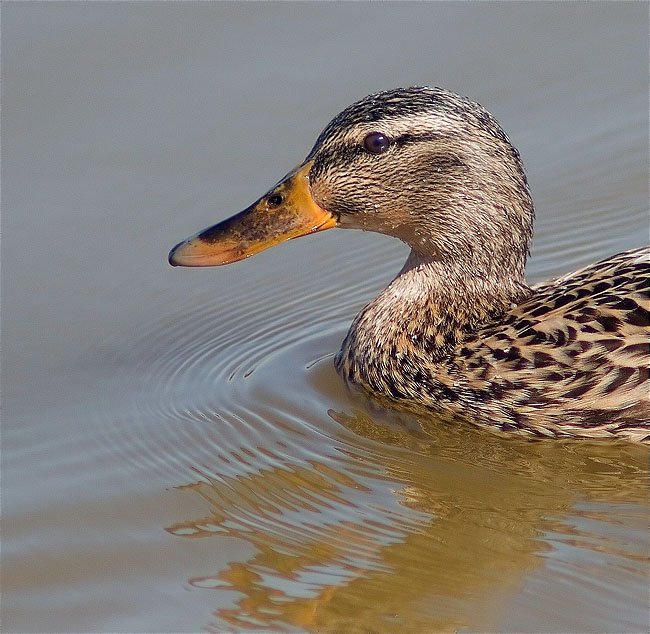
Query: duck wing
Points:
[572, 359]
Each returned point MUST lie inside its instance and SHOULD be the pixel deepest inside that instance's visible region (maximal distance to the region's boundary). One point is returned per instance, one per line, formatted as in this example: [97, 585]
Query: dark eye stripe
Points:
[378, 142]
[336, 155]
[346, 152]
[406, 139]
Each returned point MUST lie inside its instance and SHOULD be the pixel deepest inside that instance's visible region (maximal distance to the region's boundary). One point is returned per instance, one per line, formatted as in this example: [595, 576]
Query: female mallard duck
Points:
[458, 331]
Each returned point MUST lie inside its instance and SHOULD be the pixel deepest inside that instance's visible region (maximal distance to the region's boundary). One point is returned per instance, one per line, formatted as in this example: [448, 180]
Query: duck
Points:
[458, 334]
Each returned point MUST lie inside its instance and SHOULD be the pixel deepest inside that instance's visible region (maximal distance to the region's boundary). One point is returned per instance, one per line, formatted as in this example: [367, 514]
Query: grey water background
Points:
[177, 453]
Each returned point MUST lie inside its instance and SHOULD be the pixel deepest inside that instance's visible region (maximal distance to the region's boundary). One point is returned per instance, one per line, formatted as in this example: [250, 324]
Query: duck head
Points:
[422, 164]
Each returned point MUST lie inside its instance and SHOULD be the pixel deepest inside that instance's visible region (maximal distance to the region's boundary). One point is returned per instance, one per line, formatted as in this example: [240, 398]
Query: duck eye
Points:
[275, 199]
[376, 143]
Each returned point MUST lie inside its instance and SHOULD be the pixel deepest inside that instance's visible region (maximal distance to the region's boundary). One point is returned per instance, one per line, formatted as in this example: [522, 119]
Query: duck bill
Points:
[288, 211]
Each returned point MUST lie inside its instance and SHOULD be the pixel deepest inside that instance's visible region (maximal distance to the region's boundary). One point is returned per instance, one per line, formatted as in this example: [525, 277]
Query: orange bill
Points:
[288, 211]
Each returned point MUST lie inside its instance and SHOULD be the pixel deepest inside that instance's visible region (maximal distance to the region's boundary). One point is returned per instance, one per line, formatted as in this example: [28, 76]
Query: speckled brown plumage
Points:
[459, 332]
[569, 360]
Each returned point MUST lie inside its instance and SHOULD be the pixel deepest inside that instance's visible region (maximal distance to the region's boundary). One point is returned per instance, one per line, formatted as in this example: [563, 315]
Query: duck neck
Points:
[454, 296]
[430, 307]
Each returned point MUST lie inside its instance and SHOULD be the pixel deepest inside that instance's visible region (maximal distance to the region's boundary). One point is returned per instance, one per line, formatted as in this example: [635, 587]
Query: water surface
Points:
[178, 452]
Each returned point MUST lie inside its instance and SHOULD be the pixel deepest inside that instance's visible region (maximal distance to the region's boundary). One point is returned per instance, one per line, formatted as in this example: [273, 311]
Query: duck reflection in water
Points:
[398, 531]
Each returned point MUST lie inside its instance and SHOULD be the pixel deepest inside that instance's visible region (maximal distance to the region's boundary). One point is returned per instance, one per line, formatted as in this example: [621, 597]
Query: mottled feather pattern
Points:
[458, 332]
[573, 358]
[570, 360]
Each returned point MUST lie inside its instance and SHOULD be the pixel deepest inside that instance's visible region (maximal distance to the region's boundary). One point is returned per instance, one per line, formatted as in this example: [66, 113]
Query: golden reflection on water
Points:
[453, 519]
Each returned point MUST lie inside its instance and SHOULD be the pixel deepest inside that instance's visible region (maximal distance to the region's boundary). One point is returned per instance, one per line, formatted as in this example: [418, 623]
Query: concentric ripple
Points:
[233, 398]
[235, 372]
